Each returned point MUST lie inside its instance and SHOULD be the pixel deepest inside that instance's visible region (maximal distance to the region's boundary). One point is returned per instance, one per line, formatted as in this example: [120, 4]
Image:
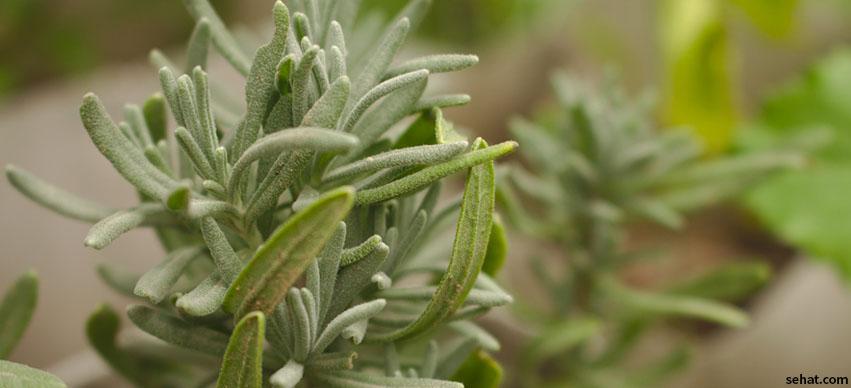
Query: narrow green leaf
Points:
[315, 139]
[480, 370]
[260, 85]
[497, 249]
[283, 257]
[199, 43]
[127, 159]
[119, 280]
[326, 111]
[440, 102]
[242, 366]
[380, 60]
[381, 90]
[14, 375]
[177, 331]
[108, 229]
[155, 116]
[329, 265]
[677, 305]
[16, 310]
[195, 153]
[223, 254]
[468, 253]
[157, 283]
[205, 298]
[410, 156]
[354, 254]
[418, 180]
[560, 338]
[347, 318]
[54, 198]
[222, 39]
[178, 199]
[732, 282]
[347, 379]
[354, 278]
[441, 63]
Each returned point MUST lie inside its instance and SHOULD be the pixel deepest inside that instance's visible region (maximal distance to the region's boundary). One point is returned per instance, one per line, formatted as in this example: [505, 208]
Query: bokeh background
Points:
[742, 73]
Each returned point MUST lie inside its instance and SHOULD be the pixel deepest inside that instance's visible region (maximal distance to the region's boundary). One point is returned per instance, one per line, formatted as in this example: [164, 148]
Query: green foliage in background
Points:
[597, 165]
[809, 208]
[467, 22]
[16, 311]
[302, 229]
[701, 89]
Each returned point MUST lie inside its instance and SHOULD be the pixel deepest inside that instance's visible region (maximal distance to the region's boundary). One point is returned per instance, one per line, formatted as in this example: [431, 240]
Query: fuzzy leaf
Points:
[354, 278]
[442, 63]
[121, 281]
[177, 331]
[242, 366]
[14, 375]
[110, 228]
[288, 376]
[381, 90]
[199, 43]
[418, 180]
[347, 379]
[281, 260]
[468, 253]
[205, 298]
[16, 309]
[227, 262]
[410, 156]
[54, 198]
[222, 39]
[157, 283]
[380, 60]
[349, 317]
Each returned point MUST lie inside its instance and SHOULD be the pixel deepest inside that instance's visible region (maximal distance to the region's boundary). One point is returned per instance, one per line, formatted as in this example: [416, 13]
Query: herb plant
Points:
[295, 231]
[599, 165]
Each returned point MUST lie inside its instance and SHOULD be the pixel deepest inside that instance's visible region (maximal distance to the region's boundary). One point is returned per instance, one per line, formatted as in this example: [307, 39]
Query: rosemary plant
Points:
[295, 230]
[599, 165]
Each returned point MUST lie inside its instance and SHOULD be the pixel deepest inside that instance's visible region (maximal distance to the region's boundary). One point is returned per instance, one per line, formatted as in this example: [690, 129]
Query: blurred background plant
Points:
[594, 165]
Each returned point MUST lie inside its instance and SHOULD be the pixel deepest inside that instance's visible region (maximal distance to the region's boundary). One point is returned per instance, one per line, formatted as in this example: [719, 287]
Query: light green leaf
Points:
[354, 254]
[418, 180]
[441, 63]
[380, 60]
[732, 282]
[242, 366]
[468, 252]
[177, 331]
[347, 318]
[108, 229]
[54, 198]
[205, 298]
[282, 259]
[222, 39]
[157, 283]
[227, 262]
[559, 338]
[288, 376]
[352, 279]
[14, 375]
[347, 379]
[119, 280]
[497, 249]
[199, 43]
[155, 116]
[16, 310]
[410, 156]
[381, 90]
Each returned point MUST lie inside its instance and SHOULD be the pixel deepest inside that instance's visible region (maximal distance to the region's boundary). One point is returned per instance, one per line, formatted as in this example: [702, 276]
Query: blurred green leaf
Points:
[16, 309]
[479, 371]
[810, 208]
[497, 249]
[774, 18]
[698, 84]
[18, 375]
[732, 282]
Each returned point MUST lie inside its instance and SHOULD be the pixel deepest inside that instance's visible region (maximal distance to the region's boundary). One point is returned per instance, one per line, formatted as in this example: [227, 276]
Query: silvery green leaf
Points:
[326, 111]
[242, 365]
[380, 60]
[178, 332]
[676, 305]
[471, 330]
[441, 101]
[336, 63]
[351, 280]
[356, 331]
[136, 119]
[312, 313]
[451, 359]
[348, 379]
[302, 26]
[227, 262]
[484, 298]
[108, 229]
[468, 252]
[127, 159]
[207, 137]
[345, 319]
[406, 244]
[168, 83]
[329, 265]
[300, 325]
[381, 90]
[260, 84]
[429, 366]
[157, 283]
[382, 281]
[352, 255]
[199, 43]
[222, 39]
[420, 179]
[205, 298]
[415, 12]
[16, 309]
[14, 375]
[153, 154]
[54, 198]
[301, 78]
[284, 256]
[315, 139]
[441, 63]
[288, 376]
